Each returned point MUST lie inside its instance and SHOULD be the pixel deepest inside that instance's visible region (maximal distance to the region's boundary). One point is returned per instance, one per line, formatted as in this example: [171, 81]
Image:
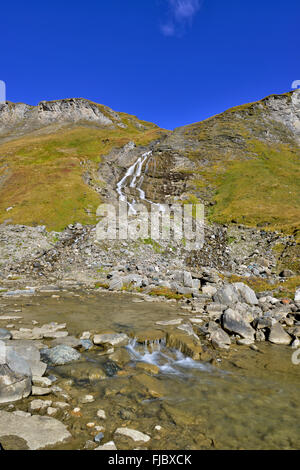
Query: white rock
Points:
[108, 446]
[101, 414]
[51, 411]
[297, 295]
[38, 431]
[37, 405]
[137, 436]
[41, 381]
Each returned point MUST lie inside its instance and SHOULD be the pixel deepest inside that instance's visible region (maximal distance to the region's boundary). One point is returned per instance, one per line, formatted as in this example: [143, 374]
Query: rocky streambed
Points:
[97, 370]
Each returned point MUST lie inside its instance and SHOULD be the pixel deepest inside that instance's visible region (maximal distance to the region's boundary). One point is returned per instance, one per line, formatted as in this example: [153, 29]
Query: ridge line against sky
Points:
[172, 62]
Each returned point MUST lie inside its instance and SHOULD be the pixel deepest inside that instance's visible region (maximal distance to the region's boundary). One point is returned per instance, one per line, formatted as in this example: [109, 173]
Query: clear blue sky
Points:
[171, 62]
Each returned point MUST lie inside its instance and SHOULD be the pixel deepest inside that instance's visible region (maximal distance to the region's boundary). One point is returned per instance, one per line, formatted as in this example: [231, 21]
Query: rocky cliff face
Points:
[19, 119]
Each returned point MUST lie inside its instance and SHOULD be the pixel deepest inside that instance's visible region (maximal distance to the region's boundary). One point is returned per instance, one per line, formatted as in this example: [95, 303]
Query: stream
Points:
[245, 400]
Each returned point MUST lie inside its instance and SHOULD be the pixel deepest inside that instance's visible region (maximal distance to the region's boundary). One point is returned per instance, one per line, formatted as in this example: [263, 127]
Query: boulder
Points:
[246, 294]
[136, 436]
[278, 335]
[60, 355]
[38, 432]
[111, 339]
[220, 339]
[227, 295]
[234, 322]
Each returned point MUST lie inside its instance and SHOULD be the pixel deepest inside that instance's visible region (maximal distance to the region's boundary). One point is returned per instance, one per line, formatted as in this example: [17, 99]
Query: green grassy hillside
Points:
[41, 171]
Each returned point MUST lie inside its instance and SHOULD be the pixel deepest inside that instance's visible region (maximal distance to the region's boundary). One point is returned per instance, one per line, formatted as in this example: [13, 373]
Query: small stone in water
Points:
[99, 437]
[101, 414]
[90, 425]
[76, 412]
[87, 399]
[158, 428]
[85, 335]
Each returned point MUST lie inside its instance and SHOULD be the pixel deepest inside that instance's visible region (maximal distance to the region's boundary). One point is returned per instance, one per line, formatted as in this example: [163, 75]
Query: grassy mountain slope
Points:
[41, 166]
[246, 163]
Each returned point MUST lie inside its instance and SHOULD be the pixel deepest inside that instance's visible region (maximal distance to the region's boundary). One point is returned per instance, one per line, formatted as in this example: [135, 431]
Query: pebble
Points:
[51, 411]
[87, 399]
[101, 414]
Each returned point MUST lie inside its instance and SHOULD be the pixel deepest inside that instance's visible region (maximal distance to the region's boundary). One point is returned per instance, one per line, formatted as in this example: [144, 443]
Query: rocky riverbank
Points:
[214, 309]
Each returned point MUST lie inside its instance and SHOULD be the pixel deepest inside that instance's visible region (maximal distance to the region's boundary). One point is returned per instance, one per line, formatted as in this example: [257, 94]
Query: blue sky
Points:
[171, 62]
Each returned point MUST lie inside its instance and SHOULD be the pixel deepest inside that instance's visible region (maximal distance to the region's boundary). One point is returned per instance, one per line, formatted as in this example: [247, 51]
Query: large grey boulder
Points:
[278, 335]
[60, 355]
[37, 431]
[13, 386]
[227, 295]
[234, 322]
[220, 339]
[232, 294]
[15, 375]
[30, 353]
[246, 294]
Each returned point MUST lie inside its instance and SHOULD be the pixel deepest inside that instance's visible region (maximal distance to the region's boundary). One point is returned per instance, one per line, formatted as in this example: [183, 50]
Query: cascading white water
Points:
[169, 361]
[134, 178]
[134, 175]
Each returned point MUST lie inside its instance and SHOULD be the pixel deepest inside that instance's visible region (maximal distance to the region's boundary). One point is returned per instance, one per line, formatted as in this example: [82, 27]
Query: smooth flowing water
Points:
[245, 400]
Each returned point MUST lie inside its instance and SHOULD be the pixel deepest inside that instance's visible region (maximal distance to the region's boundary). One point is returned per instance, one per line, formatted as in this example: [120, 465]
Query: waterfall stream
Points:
[134, 178]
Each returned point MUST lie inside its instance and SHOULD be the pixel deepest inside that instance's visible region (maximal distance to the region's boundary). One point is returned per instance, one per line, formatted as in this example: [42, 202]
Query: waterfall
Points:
[133, 179]
[169, 361]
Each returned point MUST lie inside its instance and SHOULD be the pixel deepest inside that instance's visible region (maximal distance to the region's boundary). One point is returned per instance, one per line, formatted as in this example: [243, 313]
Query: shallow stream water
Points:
[244, 400]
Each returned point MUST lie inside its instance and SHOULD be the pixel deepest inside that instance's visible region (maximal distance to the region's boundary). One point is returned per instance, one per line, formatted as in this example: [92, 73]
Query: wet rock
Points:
[86, 344]
[184, 343]
[37, 431]
[150, 368]
[112, 339]
[111, 369]
[220, 339]
[5, 334]
[40, 391]
[245, 342]
[101, 414]
[121, 357]
[150, 335]
[151, 385]
[67, 341]
[137, 436]
[60, 355]
[13, 386]
[169, 322]
[87, 399]
[99, 437]
[234, 322]
[41, 381]
[278, 335]
[108, 446]
[37, 405]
